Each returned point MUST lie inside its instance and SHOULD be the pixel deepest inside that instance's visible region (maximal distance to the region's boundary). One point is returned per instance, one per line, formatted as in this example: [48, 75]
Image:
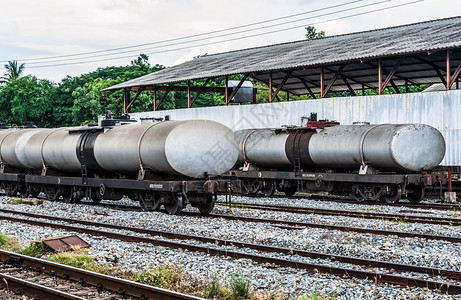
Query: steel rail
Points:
[289, 251]
[301, 225]
[377, 277]
[291, 225]
[355, 214]
[102, 281]
[32, 289]
[348, 201]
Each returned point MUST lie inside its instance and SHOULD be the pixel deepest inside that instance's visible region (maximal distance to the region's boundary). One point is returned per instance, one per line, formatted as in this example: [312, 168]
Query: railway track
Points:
[438, 206]
[49, 280]
[221, 247]
[356, 214]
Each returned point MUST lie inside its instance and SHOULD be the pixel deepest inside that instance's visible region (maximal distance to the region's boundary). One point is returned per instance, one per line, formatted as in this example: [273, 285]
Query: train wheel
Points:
[416, 194]
[206, 204]
[269, 188]
[290, 191]
[67, 195]
[358, 197]
[393, 196]
[52, 193]
[11, 189]
[175, 205]
[33, 191]
[149, 202]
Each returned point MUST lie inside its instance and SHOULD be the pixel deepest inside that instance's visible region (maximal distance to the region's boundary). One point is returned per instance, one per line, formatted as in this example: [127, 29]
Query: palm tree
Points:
[13, 70]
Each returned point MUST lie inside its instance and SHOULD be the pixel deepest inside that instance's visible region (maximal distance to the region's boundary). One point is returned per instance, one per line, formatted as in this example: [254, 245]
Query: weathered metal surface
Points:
[65, 243]
[438, 109]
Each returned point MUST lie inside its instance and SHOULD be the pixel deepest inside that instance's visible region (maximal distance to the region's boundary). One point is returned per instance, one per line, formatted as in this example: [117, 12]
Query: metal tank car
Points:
[169, 163]
[383, 161]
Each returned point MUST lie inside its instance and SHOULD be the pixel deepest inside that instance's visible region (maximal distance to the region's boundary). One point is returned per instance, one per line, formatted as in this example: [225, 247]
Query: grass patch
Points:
[34, 249]
[9, 243]
[164, 277]
[84, 261]
[240, 287]
[15, 201]
[215, 289]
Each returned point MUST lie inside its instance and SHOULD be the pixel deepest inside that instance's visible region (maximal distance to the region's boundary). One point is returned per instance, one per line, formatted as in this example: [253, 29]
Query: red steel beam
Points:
[280, 86]
[389, 77]
[455, 75]
[181, 88]
[238, 87]
[199, 92]
[164, 97]
[332, 81]
[128, 107]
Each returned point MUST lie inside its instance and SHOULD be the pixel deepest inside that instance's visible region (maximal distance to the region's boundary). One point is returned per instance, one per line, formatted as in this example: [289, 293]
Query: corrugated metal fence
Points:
[441, 110]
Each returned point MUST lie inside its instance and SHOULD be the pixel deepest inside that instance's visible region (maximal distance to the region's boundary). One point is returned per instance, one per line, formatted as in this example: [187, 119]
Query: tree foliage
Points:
[13, 71]
[312, 33]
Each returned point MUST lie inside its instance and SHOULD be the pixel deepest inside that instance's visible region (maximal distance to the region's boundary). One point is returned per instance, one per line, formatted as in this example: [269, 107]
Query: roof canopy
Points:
[410, 54]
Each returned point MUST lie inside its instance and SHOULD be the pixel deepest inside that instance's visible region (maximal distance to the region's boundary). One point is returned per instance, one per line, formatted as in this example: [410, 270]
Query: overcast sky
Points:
[47, 28]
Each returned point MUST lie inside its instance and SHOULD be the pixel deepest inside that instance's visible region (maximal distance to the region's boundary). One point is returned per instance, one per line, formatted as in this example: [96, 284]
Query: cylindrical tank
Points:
[189, 148]
[185, 148]
[56, 148]
[262, 147]
[13, 147]
[410, 147]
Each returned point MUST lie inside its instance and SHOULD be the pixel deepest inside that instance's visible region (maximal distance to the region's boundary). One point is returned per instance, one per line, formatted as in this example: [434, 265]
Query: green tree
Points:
[27, 99]
[312, 33]
[81, 99]
[14, 71]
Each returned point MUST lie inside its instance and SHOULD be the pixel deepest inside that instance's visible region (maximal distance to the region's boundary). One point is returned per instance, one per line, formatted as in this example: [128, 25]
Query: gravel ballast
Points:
[137, 257]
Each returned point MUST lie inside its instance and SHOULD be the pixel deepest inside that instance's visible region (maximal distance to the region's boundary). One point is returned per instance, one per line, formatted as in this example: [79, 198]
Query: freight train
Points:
[175, 163]
[372, 162]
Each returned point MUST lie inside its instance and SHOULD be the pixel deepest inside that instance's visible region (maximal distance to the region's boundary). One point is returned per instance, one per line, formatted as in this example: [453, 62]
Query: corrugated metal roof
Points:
[413, 38]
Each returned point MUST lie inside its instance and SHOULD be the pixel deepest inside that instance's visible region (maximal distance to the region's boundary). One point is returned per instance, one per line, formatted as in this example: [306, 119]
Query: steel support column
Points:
[126, 100]
[189, 104]
[270, 86]
[448, 70]
[226, 90]
[155, 97]
[321, 82]
[380, 77]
